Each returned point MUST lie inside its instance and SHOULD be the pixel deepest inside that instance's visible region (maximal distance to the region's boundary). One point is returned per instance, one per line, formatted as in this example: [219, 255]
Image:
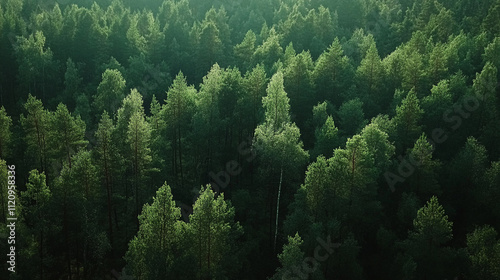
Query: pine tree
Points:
[67, 133]
[35, 62]
[210, 45]
[424, 179]
[106, 151]
[250, 103]
[298, 85]
[36, 126]
[327, 138]
[352, 117]
[290, 258]
[431, 230]
[244, 50]
[110, 91]
[332, 74]
[4, 189]
[370, 73]
[381, 148]
[5, 133]
[483, 247]
[413, 71]
[207, 122]
[72, 84]
[213, 234]
[138, 137]
[35, 201]
[277, 139]
[407, 120]
[153, 251]
[178, 113]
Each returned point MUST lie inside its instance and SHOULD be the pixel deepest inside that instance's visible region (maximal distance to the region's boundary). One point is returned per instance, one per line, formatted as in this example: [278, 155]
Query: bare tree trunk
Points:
[278, 208]
[41, 254]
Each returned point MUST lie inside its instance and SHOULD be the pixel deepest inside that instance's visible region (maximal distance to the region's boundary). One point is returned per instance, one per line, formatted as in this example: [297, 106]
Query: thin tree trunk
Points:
[136, 180]
[108, 189]
[66, 241]
[278, 208]
[180, 156]
[41, 254]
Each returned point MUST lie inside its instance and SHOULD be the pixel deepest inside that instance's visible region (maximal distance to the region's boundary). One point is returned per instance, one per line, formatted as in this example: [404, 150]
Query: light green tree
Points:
[425, 243]
[106, 159]
[178, 113]
[66, 133]
[110, 91]
[152, 252]
[290, 258]
[139, 137]
[213, 232]
[277, 140]
[36, 127]
[483, 247]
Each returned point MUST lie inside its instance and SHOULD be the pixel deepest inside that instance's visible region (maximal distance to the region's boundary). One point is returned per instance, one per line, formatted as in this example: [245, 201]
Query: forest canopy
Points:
[195, 139]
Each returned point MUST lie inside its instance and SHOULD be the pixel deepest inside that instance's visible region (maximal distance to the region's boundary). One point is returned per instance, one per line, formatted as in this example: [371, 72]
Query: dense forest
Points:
[258, 139]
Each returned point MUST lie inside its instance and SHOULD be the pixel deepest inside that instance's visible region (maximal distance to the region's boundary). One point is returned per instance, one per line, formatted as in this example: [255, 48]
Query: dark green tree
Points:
[36, 201]
[5, 133]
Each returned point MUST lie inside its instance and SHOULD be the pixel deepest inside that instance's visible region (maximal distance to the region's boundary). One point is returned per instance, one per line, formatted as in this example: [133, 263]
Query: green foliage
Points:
[381, 149]
[332, 74]
[298, 85]
[431, 224]
[326, 138]
[36, 126]
[269, 52]
[276, 103]
[291, 257]
[5, 133]
[36, 200]
[370, 73]
[110, 91]
[483, 247]
[425, 178]
[213, 233]
[72, 83]
[250, 102]
[406, 121]
[425, 244]
[151, 252]
[245, 50]
[352, 117]
[101, 101]
[66, 133]
[138, 137]
[35, 62]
